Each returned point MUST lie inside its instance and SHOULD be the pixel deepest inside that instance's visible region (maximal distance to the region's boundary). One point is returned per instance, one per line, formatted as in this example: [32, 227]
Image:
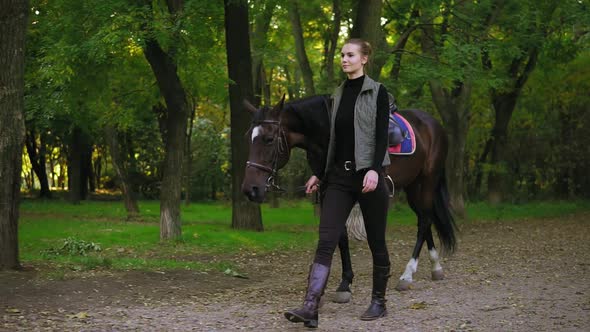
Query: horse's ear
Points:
[249, 107]
[279, 106]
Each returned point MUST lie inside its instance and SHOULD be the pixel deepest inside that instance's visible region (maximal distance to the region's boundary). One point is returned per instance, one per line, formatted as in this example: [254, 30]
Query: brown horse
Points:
[305, 124]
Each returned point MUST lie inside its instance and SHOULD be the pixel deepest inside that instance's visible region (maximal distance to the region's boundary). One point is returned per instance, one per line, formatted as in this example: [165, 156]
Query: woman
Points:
[357, 155]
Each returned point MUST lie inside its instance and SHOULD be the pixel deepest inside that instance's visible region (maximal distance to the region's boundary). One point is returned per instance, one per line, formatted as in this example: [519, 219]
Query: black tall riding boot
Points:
[308, 313]
[377, 307]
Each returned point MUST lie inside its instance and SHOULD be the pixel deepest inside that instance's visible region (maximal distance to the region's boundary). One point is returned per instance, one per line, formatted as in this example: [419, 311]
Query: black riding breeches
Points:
[343, 190]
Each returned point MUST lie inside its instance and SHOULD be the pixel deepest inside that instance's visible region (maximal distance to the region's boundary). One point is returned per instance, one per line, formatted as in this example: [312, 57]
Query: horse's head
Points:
[269, 150]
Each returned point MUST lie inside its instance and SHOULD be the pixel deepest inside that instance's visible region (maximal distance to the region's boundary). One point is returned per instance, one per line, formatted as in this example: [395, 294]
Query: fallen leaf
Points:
[13, 311]
[418, 305]
[80, 315]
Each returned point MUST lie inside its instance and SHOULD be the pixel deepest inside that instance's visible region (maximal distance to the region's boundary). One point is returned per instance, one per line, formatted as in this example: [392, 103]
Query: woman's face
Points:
[352, 60]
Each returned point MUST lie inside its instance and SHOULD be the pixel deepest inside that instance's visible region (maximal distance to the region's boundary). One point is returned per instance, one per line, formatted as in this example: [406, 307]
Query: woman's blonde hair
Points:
[364, 46]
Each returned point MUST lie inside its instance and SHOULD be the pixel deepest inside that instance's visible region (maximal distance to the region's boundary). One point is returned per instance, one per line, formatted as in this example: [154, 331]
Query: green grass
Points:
[208, 241]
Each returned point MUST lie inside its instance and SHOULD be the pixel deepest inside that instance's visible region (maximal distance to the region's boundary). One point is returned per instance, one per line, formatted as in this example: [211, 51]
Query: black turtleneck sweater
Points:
[344, 127]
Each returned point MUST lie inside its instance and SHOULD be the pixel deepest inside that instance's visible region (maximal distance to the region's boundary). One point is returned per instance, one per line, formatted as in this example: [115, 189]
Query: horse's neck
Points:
[313, 123]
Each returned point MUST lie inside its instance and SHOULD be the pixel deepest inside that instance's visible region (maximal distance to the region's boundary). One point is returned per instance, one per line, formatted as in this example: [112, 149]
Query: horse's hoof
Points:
[403, 285]
[438, 275]
[342, 297]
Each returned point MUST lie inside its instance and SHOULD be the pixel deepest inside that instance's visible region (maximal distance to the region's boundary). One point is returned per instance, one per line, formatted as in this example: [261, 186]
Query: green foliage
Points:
[73, 247]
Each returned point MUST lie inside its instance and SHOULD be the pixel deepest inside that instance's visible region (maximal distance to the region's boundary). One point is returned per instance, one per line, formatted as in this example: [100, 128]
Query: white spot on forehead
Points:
[255, 132]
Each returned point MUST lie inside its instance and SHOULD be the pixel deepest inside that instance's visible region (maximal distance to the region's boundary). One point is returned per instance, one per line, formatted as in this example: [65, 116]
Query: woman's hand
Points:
[311, 185]
[370, 181]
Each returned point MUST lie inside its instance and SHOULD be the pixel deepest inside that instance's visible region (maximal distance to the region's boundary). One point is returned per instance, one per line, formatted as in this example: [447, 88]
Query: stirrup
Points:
[392, 187]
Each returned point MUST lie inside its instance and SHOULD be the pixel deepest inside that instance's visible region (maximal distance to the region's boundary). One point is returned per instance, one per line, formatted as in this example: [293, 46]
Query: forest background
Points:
[143, 98]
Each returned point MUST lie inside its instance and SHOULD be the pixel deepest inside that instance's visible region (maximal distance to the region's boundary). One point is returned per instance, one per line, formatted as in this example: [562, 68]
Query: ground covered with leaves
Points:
[525, 275]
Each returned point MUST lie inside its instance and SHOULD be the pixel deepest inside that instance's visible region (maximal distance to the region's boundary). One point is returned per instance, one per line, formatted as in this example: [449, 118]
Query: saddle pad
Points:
[408, 144]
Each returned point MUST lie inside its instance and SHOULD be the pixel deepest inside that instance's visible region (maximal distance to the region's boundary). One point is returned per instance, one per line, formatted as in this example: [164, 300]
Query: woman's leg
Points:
[336, 206]
[374, 206]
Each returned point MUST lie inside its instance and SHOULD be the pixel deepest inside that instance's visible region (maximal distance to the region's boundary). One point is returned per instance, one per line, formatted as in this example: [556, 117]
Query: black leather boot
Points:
[377, 307]
[308, 313]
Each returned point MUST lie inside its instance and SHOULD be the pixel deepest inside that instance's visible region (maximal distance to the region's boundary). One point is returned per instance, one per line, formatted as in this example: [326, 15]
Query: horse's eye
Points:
[268, 139]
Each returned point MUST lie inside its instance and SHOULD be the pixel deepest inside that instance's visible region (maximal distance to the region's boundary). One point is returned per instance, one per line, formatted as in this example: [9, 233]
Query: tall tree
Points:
[121, 169]
[529, 31]
[37, 156]
[449, 48]
[331, 42]
[367, 25]
[13, 24]
[245, 215]
[300, 51]
[259, 40]
[164, 66]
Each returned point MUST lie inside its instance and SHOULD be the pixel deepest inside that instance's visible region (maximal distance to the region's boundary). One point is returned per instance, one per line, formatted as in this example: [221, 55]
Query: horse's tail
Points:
[443, 218]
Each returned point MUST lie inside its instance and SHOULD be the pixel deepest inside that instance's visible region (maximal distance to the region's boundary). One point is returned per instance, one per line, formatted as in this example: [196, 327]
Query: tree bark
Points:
[74, 166]
[300, 52]
[171, 88]
[13, 23]
[331, 42]
[245, 215]
[453, 107]
[504, 103]
[367, 26]
[189, 154]
[165, 70]
[259, 39]
[129, 195]
[37, 157]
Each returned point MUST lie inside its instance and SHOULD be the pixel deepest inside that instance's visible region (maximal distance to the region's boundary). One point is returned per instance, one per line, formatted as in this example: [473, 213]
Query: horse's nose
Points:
[253, 194]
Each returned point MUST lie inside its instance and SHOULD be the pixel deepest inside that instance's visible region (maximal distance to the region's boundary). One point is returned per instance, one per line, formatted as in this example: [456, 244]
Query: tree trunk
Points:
[259, 39]
[164, 67]
[74, 166]
[245, 215]
[300, 52]
[37, 158]
[129, 195]
[331, 42]
[85, 168]
[454, 110]
[504, 104]
[90, 169]
[367, 26]
[189, 154]
[453, 105]
[171, 88]
[503, 107]
[13, 23]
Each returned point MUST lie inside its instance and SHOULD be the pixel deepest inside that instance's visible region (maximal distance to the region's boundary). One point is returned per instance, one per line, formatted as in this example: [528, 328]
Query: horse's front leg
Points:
[343, 292]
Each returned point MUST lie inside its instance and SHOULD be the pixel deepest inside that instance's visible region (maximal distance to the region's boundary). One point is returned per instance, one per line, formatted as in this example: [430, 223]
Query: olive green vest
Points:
[365, 117]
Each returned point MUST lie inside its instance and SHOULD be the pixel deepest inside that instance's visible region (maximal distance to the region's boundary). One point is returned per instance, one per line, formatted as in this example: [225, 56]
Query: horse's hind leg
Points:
[420, 198]
[436, 269]
[343, 292]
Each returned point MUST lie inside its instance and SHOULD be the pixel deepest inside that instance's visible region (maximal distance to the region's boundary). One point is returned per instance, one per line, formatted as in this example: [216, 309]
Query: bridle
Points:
[279, 147]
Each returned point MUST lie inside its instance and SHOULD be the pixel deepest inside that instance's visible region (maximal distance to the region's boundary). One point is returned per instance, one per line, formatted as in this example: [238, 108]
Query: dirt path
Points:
[530, 275]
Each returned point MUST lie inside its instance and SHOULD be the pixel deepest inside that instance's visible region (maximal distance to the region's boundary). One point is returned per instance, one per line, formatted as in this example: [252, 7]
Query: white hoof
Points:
[403, 285]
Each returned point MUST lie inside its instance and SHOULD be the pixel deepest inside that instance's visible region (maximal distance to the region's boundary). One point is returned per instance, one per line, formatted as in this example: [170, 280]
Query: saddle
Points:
[395, 133]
